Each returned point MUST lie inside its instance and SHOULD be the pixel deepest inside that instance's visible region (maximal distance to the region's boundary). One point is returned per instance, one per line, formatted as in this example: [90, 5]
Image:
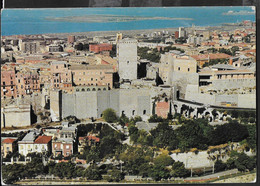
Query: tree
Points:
[220, 166]
[155, 118]
[109, 115]
[159, 172]
[92, 173]
[251, 139]
[163, 160]
[164, 136]
[232, 131]
[116, 175]
[234, 49]
[244, 162]
[178, 170]
[123, 120]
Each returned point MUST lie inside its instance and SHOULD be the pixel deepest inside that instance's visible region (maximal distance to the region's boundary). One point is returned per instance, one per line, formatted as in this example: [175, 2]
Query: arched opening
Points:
[123, 112]
[83, 90]
[144, 112]
[88, 89]
[99, 89]
[133, 112]
[94, 89]
[104, 89]
[77, 89]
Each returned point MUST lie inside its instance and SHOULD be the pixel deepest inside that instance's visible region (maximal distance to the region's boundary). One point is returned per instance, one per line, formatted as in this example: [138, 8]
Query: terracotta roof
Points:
[8, 140]
[43, 139]
[210, 56]
[90, 138]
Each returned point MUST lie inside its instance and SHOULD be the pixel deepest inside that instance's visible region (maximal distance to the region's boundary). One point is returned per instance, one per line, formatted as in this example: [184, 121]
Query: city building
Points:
[92, 75]
[55, 48]
[27, 82]
[182, 32]
[29, 47]
[97, 48]
[71, 39]
[8, 84]
[61, 75]
[62, 146]
[42, 144]
[26, 145]
[8, 145]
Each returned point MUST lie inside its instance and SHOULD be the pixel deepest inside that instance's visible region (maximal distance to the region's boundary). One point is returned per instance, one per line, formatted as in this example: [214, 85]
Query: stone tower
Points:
[127, 59]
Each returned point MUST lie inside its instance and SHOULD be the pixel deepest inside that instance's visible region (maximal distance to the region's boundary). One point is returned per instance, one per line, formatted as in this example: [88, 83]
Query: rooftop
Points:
[8, 140]
[30, 137]
[43, 139]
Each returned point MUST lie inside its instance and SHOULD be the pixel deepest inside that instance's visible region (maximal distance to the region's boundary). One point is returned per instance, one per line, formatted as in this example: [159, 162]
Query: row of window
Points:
[88, 73]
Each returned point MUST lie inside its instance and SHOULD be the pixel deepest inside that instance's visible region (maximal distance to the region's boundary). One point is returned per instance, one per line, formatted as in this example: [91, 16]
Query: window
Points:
[83, 73]
[188, 69]
[18, 80]
[36, 147]
[127, 62]
[67, 146]
[11, 82]
[179, 68]
[133, 112]
[56, 67]
[55, 145]
[91, 79]
[144, 112]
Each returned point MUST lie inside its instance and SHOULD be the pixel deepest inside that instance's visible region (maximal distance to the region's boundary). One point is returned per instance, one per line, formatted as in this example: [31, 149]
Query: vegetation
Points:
[149, 54]
[109, 115]
[81, 46]
[153, 54]
[146, 157]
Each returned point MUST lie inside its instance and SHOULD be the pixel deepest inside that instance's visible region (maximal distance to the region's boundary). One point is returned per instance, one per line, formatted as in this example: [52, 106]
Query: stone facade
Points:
[127, 59]
[86, 104]
[16, 115]
[55, 103]
[233, 100]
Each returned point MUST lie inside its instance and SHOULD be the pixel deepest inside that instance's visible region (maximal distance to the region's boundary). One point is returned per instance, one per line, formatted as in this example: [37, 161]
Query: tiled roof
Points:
[8, 140]
[90, 138]
[43, 139]
[210, 56]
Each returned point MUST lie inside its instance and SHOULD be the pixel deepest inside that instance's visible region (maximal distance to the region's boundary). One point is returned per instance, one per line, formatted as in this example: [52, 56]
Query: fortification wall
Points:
[232, 83]
[16, 115]
[247, 100]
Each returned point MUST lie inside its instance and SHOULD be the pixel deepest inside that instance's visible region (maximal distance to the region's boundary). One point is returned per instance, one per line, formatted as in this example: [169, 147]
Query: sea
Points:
[42, 21]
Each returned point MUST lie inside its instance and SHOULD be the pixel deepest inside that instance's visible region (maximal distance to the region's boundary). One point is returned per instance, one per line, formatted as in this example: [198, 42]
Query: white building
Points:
[26, 145]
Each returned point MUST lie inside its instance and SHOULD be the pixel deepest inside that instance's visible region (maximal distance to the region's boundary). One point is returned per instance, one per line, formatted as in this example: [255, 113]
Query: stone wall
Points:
[131, 102]
[200, 160]
[193, 94]
[16, 115]
[238, 100]
[55, 105]
[247, 100]
[232, 84]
